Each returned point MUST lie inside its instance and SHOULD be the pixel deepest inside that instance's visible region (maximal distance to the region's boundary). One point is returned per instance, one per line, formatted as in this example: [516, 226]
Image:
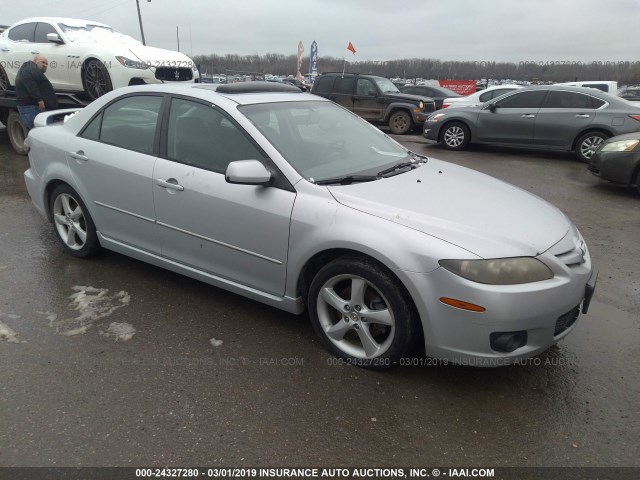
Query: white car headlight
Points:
[436, 117]
[620, 146]
[127, 62]
[500, 271]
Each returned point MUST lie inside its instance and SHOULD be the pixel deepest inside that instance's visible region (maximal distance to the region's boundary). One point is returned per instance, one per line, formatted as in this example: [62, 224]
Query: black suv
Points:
[375, 99]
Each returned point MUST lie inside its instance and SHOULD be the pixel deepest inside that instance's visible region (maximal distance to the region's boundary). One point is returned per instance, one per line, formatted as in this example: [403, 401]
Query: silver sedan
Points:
[291, 200]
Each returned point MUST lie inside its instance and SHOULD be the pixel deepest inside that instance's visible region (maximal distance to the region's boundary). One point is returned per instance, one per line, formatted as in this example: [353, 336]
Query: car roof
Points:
[65, 20]
[243, 93]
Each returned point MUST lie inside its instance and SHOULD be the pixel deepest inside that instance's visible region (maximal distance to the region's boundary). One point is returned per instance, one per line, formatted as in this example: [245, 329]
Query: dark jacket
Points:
[32, 86]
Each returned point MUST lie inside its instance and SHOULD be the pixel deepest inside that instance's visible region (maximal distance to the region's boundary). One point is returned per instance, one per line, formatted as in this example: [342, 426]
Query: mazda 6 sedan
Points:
[291, 200]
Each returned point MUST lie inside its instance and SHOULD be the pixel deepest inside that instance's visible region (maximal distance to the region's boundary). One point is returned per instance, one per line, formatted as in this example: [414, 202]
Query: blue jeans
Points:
[27, 115]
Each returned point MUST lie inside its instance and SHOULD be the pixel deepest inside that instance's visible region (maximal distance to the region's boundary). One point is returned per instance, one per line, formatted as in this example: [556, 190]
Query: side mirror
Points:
[492, 107]
[54, 38]
[248, 172]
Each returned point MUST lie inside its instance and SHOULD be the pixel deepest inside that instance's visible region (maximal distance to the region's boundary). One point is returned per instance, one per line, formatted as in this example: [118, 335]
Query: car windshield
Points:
[87, 32]
[322, 140]
[386, 86]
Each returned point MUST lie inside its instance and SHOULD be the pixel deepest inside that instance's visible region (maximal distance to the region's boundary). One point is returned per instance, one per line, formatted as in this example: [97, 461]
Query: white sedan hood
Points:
[474, 211]
[156, 56]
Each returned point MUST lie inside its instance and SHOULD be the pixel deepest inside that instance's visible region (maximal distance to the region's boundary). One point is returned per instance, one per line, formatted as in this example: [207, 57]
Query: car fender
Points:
[406, 106]
[320, 224]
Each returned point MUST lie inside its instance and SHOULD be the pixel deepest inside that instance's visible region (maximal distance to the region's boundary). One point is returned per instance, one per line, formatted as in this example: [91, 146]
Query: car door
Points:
[57, 71]
[112, 161]
[237, 232]
[17, 49]
[343, 91]
[564, 114]
[366, 103]
[510, 119]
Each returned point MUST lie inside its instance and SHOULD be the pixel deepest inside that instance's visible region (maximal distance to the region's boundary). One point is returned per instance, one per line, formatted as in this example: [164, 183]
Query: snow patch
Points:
[92, 304]
[8, 334]
[121, 331]
[215, 343]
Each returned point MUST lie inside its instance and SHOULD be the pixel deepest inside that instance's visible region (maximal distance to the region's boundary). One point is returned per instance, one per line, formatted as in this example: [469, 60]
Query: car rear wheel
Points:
[400, 122]
[588, 143]
[455, 136]
[361, 313]
[17, 132]
[73, 224]
[95, 79]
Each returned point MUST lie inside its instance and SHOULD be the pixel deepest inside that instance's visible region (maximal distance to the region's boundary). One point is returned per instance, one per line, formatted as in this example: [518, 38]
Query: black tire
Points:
[373, 327]
[72, 222]
[16, 131]
[587, 145]
[400, 122]
[95, 79]
[4, 80]
[455, 136]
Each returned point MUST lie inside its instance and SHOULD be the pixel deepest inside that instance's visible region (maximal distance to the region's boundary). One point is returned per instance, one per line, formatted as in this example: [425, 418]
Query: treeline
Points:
[278, 64]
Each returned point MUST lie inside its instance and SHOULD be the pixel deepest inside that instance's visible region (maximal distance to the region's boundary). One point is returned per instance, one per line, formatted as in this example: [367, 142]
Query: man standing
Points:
[34, 91]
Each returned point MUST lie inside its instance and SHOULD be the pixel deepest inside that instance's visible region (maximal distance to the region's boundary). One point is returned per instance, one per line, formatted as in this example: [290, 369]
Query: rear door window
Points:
[23, 33]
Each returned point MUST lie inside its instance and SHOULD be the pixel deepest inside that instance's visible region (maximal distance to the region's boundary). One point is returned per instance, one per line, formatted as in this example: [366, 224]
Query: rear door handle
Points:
[4, 49]
[171, 183]
[582, 115]
[35, 52]
[528, 115]
[79, 155]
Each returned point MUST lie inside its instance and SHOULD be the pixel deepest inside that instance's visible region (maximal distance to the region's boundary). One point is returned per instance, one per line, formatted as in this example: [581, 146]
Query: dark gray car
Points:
[551, 117]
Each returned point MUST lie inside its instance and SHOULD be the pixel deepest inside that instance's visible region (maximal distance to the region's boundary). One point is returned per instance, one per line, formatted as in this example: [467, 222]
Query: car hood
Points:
[156, 55]
[481, 214]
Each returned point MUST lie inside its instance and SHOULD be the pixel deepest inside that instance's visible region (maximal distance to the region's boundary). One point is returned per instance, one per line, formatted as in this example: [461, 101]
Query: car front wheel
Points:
[95, 79]
[400, 123]
[73, 224]
[455, 136]
[361, 313]
[588, 144]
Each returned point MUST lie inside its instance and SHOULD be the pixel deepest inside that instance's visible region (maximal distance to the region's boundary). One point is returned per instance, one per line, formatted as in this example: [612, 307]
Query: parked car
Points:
[375, 99]
[86, 56]
[630, 93]
[618, 160]
[291, 200]
[437, 93]
[607, 86]
[551, 117]
[480, 97]
[297, 83]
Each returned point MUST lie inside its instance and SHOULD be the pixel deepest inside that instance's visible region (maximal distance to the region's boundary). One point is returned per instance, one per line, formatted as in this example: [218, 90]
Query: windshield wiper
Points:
[348, 179]
[398, 166]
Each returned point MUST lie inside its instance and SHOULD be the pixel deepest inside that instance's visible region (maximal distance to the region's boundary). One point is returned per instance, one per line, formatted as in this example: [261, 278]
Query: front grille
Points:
[167, 74]
[565, 321]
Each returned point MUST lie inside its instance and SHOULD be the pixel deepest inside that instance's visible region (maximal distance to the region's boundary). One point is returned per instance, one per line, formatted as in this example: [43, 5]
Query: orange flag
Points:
[351, 48]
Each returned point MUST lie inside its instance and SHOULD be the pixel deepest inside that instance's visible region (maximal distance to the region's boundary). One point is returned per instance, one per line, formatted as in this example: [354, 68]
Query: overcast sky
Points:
[487, 30]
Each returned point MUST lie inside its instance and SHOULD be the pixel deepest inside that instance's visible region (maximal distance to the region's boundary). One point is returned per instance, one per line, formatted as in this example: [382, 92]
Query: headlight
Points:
[620, 146]
[436, 117]
[500, 271]
[421, 105]
[127, 62]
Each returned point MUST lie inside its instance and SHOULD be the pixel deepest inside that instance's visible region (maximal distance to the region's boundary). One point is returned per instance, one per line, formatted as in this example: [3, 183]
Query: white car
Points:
[87, 56]
[479, 97]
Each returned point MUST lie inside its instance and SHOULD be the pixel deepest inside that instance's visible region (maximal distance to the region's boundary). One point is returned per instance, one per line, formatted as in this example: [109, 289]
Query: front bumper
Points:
[617, 167]
[542, 312]
[431, 130]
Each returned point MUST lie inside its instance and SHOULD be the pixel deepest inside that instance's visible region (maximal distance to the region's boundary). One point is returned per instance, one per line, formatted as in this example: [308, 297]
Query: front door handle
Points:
[528, 115]
[582, 115]
[35, 52]
[171, 183]
[4, 49]
[79, 155]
